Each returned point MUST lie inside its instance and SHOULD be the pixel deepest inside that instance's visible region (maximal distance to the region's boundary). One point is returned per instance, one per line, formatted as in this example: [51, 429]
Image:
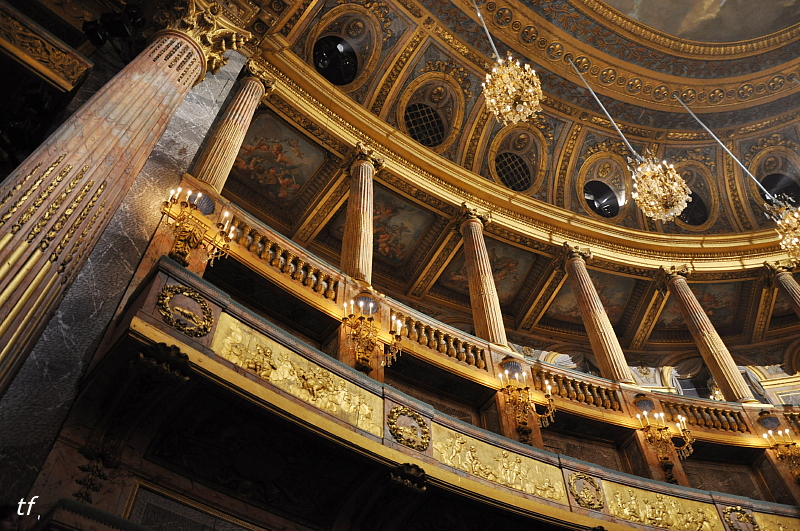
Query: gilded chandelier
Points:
[778, 209]
[657, 188]
[363, 333]
[659, 191]
[512, 91]
[520, 401]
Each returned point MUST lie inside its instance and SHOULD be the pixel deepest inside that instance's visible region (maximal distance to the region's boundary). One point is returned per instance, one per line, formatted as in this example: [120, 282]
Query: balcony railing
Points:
[705, 416]
[577, 387]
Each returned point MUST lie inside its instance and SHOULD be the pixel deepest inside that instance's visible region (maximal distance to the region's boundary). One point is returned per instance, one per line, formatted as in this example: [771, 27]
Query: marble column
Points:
[780, 275]
[483, 298]
[605, 345]
[219, 154]
[357, 241]
[715, 354]
[56, 204]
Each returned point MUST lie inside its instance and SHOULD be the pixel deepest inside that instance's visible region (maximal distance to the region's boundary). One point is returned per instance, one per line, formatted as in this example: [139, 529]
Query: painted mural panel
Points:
[718, 300]
[612, 290]
[510, 266]
[712, 20]
[276, 160]
[396, 226]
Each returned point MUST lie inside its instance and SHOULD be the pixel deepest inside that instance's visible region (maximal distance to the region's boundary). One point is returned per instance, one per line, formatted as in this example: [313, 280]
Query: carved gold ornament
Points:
[585, 497]
[203, 22]
[742, 516]
[187, 321]
[418, 439]
[659, 191]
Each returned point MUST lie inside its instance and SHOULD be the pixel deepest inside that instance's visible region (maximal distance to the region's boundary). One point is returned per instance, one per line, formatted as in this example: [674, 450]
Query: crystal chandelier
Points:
[659, 191]
[657, 188]
[513, 91]
[778, 209]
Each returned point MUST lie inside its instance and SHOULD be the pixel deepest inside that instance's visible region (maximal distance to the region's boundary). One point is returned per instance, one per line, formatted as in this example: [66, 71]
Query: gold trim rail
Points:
[442, 339]
[287, 259]
[705, 416]
[579, 389]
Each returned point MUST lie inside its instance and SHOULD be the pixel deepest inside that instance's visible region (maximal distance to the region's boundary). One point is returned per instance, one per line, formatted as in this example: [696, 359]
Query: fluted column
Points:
[605, 344]
[715, 354]
[56, 204]
[483, 297]
[781, 276]
[219, 154]
[357, 241]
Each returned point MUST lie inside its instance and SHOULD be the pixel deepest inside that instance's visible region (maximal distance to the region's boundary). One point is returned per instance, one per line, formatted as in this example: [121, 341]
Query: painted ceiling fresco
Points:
[275, 160]
[712, 20]
[396, 223]
[612, 290]
[510, 266]
[719, 301]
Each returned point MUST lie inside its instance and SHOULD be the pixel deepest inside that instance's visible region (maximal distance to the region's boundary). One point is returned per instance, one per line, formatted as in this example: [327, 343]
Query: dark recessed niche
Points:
[601, 199]
[779, 184]
[424, 124]
[696, 211]
[336, 60]
[513, 171]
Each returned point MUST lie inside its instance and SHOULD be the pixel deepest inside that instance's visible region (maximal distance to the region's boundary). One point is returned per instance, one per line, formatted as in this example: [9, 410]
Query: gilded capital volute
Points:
[664, 276]
[470, 214]
[773, 269]
[569, 252]
[204, 23]
[364, 153]
[256, 70]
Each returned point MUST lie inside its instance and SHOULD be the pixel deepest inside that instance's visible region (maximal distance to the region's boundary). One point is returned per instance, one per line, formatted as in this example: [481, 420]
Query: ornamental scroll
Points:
[500, 466]
[294, 374]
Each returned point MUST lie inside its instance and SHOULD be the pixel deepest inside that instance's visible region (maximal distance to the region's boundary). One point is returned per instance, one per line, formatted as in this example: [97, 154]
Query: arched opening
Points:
[336, 60]
[513, 171]
[601, 199]
[424, 124]
[780, 184]
[696, 212]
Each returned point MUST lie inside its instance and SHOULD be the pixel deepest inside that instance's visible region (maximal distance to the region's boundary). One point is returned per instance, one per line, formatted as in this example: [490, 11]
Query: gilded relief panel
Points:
[773, 522]
[301, 378]
[660, 510]
[497, 465]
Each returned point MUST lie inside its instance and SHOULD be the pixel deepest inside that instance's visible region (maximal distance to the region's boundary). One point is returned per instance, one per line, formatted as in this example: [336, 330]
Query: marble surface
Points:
[38, 400]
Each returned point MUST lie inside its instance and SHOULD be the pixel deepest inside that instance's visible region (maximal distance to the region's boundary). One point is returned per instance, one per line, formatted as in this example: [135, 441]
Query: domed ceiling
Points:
[432, 55]
[712, 20]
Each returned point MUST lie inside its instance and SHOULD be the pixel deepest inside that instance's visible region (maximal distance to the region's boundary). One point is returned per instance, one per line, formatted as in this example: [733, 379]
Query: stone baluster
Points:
[217, 158]
[357, 241]
[602, 337]
[52, 212]
[486, 313]
[714, 352]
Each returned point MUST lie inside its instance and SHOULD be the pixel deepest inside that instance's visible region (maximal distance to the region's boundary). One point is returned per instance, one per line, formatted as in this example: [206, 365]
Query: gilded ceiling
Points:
[291, 172]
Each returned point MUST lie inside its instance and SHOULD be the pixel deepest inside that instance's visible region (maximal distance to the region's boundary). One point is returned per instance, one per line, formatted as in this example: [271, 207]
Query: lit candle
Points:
[501, 380]
[769, 432]
[524, 379]
[226, 220]
[370, 308]
[171, 194]
[178, 192]
[639, 418]
[188, 193]
[361, 306]
[230, 236]
[646, 420]
[197, 197]
[547, 383]
[678, 424]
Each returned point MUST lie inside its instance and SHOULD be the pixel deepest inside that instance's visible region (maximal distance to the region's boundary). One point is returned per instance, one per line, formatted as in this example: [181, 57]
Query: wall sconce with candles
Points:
[520, 401]
[393, 349]
[190, 230]
[659, 435]
[786, 450]
[362, 330]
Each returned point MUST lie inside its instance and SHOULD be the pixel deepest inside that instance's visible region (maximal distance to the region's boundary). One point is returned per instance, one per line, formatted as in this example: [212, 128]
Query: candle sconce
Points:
[190, 230]
[362, 331]
[519, 400]
[659, 435]
[786, 450]
[393, 349]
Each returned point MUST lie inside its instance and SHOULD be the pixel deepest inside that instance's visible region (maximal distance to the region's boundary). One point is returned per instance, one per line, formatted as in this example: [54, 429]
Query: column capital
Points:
[773, 269]
[366, 154]
[203, 22]
[253, 69]
[569, 252]
[467, 213]
[664, 276]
